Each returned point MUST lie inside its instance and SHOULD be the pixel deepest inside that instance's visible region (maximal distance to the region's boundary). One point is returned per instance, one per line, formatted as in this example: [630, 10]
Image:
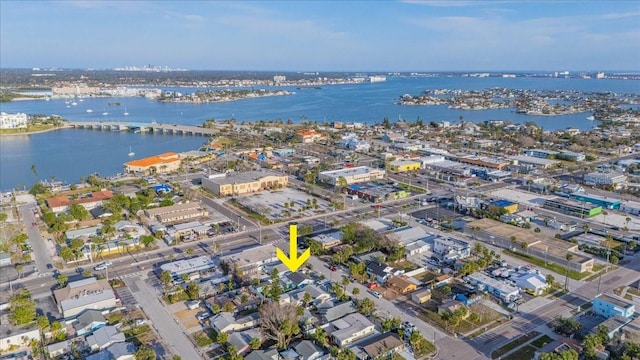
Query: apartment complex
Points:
[351, 175]
[13, 121]
[244, 183]
[162, 163]
[177, 212]
[62, 203]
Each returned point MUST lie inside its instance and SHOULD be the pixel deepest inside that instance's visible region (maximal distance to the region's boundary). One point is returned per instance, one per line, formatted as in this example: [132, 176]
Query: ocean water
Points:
[70, 154]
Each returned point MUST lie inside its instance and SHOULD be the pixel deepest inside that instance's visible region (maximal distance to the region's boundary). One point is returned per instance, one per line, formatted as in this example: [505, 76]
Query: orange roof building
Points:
[310, 135]
[162, 163]
[62, 203]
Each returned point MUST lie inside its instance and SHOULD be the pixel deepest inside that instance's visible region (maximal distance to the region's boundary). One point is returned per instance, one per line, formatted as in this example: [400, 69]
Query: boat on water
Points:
[591, 118]
[105, 113]
[74, 103]
[89, 110]
[131, 153]
[126, 113]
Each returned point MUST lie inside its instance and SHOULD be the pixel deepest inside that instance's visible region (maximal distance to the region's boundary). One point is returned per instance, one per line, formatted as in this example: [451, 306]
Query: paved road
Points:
[164, 323]
[38, 243]
[529, 321]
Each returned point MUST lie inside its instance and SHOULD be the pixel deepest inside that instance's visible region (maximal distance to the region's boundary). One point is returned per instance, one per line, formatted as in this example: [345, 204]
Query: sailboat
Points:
[105, 113]
[131, 153]
[125, 112]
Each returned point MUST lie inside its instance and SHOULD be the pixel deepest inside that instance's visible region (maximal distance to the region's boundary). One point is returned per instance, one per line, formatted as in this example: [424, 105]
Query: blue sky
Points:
[323, 35]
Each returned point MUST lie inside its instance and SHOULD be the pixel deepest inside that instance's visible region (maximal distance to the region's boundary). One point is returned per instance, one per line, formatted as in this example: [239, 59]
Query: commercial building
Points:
[451, 249]
[177, 212]
[572, 207]
[253, 259]
[510, 206]
[541, 153]
[189, 266]
[484, 162]
[531, 161]
[375, 192]
[62, 203]
[631, 207]
[245, 183]
[500, 289]
[162, 163]
[610, 305]
[329, 240]
[604, 178]
[13, 121]
[533, 282]
[571, 156]
[89, 293]
[605, 202]
[351, 175]
[405, 165]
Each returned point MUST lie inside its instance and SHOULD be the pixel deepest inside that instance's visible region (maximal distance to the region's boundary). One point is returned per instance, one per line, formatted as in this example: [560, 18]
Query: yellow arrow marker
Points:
[293, 262]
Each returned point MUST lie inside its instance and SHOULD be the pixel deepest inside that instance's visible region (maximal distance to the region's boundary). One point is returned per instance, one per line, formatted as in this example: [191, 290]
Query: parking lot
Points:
[283, 204]
[437, 213]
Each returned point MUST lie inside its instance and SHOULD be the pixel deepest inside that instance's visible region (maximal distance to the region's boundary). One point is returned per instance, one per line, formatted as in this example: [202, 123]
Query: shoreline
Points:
[66, 126]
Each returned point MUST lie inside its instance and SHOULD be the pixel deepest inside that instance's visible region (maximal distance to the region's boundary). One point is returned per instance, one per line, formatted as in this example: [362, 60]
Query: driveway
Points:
[166, 326]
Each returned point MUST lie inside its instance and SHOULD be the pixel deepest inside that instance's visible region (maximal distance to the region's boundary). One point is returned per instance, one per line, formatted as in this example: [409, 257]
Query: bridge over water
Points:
[143, 128]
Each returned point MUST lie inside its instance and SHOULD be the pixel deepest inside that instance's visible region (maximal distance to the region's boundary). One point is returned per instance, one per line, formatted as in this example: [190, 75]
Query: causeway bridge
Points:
[134, 127]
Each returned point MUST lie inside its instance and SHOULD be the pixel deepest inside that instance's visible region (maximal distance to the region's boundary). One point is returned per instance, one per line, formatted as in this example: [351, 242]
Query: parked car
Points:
[102, 266]
[332, 268]
[203, 316]
[376, 294]
[372, 285]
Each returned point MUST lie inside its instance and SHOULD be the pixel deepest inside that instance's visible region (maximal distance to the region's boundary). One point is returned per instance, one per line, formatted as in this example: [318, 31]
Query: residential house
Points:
[500, 289]
[330, 311]
[59, 349]
[89, 321]
[351, 328]
[227, 322]
[392, 137]
[451, 249]
[310, 136]
[271, 354]
[381, 271]
[318, 296]
[450, 306]
[401, 285]
[299, 280]
[380, 346]
[104, 337]
[614, 325]
[117, 351]
[307, 350]
[557, 347]
[17, 336]
[242, 339]
[421, 297]
[62, 203]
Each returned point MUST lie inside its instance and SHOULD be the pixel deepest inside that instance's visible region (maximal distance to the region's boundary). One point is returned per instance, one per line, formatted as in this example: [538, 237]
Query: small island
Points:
[213, 96]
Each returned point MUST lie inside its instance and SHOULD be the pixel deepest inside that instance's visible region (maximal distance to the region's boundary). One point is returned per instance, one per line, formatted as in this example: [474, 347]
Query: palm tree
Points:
[355, 291]
[569, 256]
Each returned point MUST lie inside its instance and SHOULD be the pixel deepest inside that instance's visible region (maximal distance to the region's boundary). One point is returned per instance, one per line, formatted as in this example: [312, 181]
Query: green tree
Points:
[355, 291]
[320, 337]
[366, 306]
[43, 322]
[78, 212]
[307, 298]
[147, 240]
[22, 309]
[390, 323]
[255, 343]
[63, 279]
[145, 353]
[193, 290]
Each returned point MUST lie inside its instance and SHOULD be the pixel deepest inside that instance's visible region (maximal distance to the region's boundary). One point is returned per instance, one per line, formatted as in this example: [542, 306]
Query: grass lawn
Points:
[426, 277]
[541, 341]
[406, 265]
[514, 344]
[487, 328]
[465, 325]
[30, 128]
[598, 267]
[611, 243]
[203, 338]
[526, 352]
[550, 266]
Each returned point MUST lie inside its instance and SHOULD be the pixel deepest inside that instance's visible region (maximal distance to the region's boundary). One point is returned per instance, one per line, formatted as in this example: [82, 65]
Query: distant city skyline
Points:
[410, 35]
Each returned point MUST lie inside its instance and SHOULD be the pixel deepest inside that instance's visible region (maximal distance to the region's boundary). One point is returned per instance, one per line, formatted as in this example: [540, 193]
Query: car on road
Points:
[376, 294]
[333, 268]
[372, 285]
[102, 266]
[408, 325]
